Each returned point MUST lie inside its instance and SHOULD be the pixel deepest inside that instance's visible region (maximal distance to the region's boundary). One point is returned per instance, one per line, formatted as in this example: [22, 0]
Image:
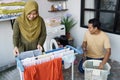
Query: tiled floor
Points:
[13, 74]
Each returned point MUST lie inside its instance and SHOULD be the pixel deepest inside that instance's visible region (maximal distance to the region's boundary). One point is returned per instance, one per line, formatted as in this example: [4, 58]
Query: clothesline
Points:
[67, 56]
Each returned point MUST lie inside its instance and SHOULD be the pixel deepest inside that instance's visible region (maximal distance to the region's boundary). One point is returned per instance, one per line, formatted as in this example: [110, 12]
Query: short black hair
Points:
[95, 22]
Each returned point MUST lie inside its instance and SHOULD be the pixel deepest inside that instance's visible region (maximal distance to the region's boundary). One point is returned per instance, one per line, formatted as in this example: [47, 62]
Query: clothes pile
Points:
[62, 41]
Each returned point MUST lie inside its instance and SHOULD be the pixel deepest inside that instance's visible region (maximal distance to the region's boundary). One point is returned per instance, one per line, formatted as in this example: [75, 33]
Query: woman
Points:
[29, 30]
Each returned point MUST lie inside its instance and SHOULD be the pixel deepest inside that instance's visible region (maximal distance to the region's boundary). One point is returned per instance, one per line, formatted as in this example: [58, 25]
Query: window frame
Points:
[98, 10]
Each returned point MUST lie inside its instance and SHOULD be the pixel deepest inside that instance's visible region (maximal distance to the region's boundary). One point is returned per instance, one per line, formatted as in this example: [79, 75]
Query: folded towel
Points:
[11, 11]
[9, 16]
[20, 3]
[7, 1]
[11, 7]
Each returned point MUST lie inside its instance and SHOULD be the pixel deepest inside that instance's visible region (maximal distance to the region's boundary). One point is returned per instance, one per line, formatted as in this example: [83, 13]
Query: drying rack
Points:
[76, 51]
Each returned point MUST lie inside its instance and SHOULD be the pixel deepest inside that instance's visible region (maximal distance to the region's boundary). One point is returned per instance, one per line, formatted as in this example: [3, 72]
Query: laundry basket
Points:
[92, 73]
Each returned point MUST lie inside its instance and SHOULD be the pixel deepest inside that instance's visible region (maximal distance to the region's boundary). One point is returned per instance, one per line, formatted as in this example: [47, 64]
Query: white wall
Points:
[115, 46]
[45, 6]
[6, 45]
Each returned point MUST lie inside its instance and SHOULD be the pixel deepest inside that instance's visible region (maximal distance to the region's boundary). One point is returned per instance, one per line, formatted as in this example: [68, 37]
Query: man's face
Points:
[92, 29]
[32, 15]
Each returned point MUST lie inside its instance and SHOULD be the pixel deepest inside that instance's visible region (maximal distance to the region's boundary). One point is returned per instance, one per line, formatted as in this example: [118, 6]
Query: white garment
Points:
[68, 60]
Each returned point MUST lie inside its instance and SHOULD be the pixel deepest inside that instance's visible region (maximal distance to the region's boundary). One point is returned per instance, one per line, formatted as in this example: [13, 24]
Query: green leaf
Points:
[69, 22]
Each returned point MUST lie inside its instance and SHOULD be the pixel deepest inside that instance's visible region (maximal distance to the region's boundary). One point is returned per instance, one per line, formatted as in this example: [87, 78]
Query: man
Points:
[96, 44]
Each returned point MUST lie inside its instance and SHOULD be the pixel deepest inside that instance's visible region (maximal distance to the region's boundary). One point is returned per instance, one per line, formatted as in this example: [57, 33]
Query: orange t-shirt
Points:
[51, 70]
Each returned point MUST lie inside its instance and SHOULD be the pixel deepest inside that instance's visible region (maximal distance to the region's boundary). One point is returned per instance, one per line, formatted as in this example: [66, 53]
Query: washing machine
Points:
[52, 32]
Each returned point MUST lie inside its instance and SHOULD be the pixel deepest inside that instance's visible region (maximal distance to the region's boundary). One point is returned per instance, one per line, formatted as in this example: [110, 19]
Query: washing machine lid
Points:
[53, 44]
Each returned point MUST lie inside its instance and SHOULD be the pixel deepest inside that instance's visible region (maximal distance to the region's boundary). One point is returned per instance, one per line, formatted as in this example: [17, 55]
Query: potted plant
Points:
[69, 22]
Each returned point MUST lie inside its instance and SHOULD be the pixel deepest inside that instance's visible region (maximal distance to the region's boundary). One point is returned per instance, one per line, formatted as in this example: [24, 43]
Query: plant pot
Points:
[70, 39]
[68, 35]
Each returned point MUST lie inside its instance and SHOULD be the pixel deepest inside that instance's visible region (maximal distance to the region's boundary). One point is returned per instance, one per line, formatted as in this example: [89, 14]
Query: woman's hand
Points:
[39, 47]
[16, 51]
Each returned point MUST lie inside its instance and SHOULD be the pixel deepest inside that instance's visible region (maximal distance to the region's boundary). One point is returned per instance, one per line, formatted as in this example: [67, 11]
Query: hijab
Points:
[30, 29]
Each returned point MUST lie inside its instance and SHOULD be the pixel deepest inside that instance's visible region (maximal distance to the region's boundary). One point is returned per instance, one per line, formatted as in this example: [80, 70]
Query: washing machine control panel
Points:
[56, 31]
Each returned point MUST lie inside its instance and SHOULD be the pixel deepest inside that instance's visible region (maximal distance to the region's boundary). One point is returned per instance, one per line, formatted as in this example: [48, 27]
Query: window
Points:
[107, 11]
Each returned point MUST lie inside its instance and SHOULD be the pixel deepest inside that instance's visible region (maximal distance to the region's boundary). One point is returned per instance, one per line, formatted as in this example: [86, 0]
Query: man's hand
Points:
[101, 66]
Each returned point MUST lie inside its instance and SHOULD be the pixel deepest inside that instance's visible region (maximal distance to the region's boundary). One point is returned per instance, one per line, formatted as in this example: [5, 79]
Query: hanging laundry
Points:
[51, 70]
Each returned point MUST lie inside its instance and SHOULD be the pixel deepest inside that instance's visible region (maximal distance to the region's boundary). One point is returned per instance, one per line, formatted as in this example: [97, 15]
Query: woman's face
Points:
[32, 15]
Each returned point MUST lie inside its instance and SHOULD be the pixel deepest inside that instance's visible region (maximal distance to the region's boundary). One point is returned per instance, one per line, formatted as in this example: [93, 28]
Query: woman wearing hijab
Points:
[29, 30]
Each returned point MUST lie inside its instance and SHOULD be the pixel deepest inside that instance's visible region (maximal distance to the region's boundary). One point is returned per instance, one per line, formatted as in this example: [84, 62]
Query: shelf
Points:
[58, 10]
[57, 0]
[11, 18]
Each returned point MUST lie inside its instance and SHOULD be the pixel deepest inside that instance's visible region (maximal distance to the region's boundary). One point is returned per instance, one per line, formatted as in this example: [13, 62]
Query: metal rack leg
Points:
[21, 74]
[73, 70]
